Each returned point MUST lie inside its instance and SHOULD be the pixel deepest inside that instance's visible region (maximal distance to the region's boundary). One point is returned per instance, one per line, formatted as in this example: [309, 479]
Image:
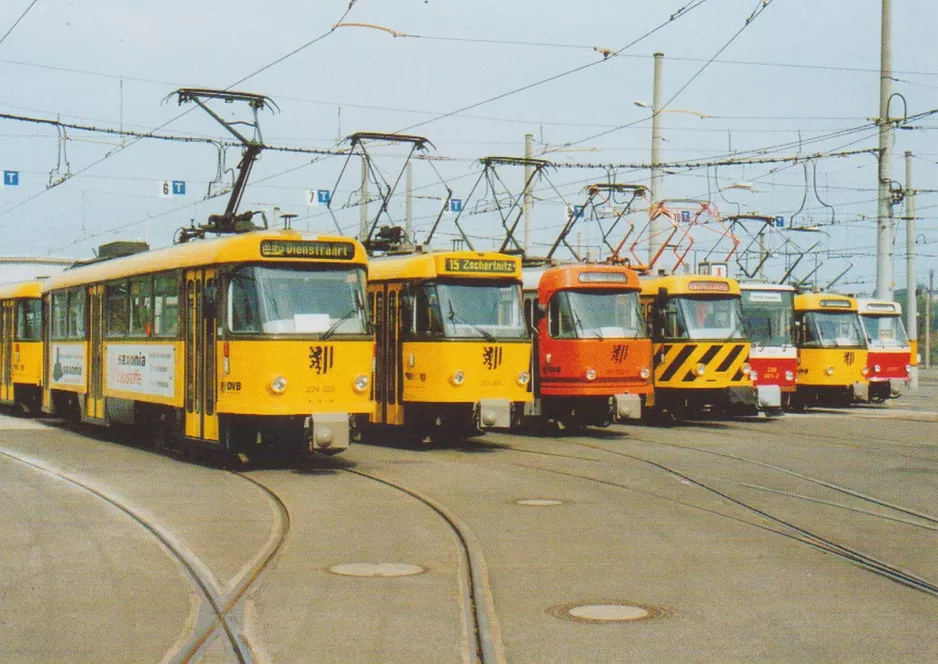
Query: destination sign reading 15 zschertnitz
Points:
[480, 265]
[307, 249]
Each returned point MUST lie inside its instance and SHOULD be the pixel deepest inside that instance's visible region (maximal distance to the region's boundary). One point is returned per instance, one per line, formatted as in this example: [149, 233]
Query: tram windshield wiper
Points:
[455, 319]
[359, 306]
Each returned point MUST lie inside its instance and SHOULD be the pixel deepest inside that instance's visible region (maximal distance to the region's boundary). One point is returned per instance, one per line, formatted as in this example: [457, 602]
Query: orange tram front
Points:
[592, 353]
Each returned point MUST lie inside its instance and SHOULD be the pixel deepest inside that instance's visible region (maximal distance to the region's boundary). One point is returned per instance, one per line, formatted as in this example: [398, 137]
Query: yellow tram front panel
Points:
[465, 371]
[285, 377]
[831, 367]
[702, 365]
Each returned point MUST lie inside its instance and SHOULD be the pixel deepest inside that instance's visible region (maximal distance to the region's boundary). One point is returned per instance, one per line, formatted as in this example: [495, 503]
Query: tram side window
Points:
[427, 312]
[117, 306]
[242, 300]
[60, 314]
[76, 314]
[141, 296]
[166, 305]
[29, 320]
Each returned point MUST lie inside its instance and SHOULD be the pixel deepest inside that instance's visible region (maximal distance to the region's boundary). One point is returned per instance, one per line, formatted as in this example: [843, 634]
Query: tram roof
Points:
[421, 265]
[21, 290]
[592, 276]
[825, 302]
[690, 284]
[258, 246]
[878, 307]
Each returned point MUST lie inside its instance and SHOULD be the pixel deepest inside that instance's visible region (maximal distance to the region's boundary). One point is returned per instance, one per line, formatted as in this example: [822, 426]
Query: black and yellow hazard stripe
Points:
[676, 365]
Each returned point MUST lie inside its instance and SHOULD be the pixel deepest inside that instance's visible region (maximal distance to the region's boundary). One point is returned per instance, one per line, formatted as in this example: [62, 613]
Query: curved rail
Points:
[488, 647]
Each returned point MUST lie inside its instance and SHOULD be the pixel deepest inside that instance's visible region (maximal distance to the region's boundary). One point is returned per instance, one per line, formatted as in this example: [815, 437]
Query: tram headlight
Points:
[278, 385]
[361, 383]
[645, 373]
[876, 368]
[753, 375]
[747, 368]
[908, 368]
[830, 371]
[591, 374]
[523, 378]
[458, 378]
[789, 375]
[865, 371]
[700, 370]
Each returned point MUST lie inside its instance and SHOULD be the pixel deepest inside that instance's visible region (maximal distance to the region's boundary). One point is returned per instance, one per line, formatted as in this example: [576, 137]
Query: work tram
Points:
[832, 351]
[453, 352]
[592, 353]
[701, 351]
[889, 356]
[768, 314]
[255, 342]
[21, 346]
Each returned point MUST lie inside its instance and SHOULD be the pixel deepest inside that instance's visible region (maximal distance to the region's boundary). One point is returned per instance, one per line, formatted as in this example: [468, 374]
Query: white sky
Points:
[802, 69]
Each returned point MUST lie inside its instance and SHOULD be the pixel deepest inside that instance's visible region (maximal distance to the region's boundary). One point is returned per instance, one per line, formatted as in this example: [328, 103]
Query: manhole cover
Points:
[376, 569]
[607, 612]
[539, 502]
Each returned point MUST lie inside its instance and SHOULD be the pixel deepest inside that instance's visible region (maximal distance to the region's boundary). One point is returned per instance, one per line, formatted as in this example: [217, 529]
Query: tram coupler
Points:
[769, 397]
[493, 414]
[327, 433]
[860, 392]
[627, 407]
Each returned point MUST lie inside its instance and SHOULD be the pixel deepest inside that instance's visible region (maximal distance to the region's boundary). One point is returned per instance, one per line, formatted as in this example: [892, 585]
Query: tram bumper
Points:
[770, 396]
[627, 407]
[493, 414]
[742, 400]
[327, 433]
[898, 387]
[861, 392]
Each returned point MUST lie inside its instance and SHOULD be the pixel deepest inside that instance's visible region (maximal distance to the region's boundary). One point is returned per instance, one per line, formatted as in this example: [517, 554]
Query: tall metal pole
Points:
[884, 236]
[363, 203]
[911, 304]
[528, 190]
[409, 204]
[931, 285]
[658, 227]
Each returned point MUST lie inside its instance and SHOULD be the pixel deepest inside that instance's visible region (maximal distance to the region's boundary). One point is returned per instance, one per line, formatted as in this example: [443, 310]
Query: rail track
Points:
[217, 612]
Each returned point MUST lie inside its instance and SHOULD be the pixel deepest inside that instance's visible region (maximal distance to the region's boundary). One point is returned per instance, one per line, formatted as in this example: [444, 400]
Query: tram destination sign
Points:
[309, 249]
[481, 265]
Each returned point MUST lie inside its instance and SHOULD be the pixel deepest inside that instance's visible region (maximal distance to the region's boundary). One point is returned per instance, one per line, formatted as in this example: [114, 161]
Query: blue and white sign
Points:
[574, 212]
[779, 222]
[170, 188]
[318, 197]
[685, 216]
[455, 205]
[11, 178]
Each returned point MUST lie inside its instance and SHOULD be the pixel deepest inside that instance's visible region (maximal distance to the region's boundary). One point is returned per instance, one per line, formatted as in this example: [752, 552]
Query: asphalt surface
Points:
[809, 537]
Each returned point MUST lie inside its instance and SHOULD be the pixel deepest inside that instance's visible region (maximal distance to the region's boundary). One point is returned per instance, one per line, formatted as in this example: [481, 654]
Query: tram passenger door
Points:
[385, 306]
[201, 295]
[94, 358]
[6, 350]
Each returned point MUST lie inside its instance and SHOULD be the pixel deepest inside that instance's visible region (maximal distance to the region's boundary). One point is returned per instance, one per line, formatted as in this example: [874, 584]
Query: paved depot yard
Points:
[789, 540]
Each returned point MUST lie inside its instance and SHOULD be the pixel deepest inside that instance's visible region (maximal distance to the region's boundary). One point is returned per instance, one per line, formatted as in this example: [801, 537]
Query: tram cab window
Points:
[427, 312]
[29, 319]
[242, 303]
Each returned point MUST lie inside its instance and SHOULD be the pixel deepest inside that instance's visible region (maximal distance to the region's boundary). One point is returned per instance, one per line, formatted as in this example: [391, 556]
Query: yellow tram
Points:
[701, 350]
[21, 345]
[250, 342]
[832, 351]
[453, 350]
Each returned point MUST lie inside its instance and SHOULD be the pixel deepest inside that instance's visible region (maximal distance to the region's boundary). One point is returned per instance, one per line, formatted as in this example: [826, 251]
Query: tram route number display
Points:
[141, 369]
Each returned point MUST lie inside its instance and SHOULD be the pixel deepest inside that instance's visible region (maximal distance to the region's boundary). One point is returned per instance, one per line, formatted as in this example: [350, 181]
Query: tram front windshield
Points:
[885, 331]
[768, 317]
[830, 329]
[296, 300]
[696, 317]
[595, 315]
[474, 310]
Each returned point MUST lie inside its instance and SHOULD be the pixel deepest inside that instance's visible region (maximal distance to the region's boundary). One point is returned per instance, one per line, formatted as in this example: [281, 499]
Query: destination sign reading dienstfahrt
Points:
[307, 249]
[481, 265]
